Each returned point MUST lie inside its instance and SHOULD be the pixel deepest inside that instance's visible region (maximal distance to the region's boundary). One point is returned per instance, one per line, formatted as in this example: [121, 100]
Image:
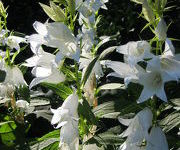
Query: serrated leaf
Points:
[88, 70]
[106, 139]
[176, 103]
[112, 109]
[58, 12]
[110, 139]
[39, 102]
[2, 75]
[171, 121]
[106, 110]
[44, 145]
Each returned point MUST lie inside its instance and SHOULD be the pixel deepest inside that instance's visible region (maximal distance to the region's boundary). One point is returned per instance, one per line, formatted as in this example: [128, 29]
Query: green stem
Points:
[154, 109]
[8, 56]
[157, 47]
[78, 82]
[71, 23]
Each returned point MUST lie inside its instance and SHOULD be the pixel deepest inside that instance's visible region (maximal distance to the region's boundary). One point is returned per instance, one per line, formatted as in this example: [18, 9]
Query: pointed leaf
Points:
[49, 11]
[88, 70]
[58, 11]
[71, 6]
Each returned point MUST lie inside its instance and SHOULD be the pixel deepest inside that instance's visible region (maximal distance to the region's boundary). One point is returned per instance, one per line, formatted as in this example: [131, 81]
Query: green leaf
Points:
[2, 75]
[163, 3]
[138, 1]
[106, 39]
[88, 70]
[8, 138]
[147, 11]
[169, 8]
[54, 12]
[63, 2]
[23, 93]
[111, 86]
[16, 53]
[58, 11]
[71, 6]
[39, 102]
[105, 139]
[149, 24]
[70, 76]
[84, 110]
[60, 89]
[8, 126]
[53, 134]
[46, 144]
[171, 121]
[107, 52]
[107, 110]
[109, 139]
[7, 132]
[49, 11]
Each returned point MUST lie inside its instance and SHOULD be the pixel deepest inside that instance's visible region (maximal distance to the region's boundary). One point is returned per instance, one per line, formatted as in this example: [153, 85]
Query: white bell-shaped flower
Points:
[14, 41]
[13, 78]
[87, 10]
[56, 35]
[135, 51]
[123, 70]
[137, 131]
[140, 135]
[153, 81]
[169, 61]
[157, 140]
[45, 68]
[66, 117]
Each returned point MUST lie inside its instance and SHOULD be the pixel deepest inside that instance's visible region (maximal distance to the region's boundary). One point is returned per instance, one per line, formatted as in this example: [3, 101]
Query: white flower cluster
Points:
[156, 70]
[66, 117]
[159, 70]
[140, 133]
[46, 65]
[13, 76]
